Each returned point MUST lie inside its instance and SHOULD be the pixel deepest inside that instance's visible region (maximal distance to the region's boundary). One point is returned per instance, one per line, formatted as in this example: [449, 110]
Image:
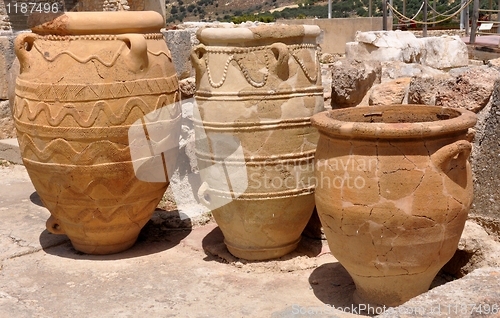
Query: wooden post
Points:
[491, 8]
[475, 17]
[498, 17]
[466, 20]
[434, 13]
[384, 15]
[424, 31]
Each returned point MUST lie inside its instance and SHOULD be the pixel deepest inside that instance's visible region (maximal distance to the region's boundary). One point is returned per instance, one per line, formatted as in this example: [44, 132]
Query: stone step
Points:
[9, 150]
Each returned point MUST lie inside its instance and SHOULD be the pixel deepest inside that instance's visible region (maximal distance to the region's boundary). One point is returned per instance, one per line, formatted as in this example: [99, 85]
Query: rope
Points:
[433, 22]
[416, 14]
[444, 14]
[487, 10]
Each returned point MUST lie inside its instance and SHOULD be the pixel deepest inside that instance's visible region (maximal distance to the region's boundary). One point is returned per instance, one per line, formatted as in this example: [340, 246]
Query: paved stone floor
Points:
[187, 272]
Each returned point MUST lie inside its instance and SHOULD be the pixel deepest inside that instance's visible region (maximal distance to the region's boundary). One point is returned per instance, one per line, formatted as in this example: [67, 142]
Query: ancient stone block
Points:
[392, 92]
[444, 52]
[468, 88]
[7, 57]
[485, 158]
[351, 80]
[179, 44]
[385, 46]
[395, 69]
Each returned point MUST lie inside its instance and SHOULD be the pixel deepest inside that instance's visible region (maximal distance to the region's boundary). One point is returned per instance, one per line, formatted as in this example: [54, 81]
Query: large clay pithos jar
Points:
[95, 90]
[394, 190]
[256, 89]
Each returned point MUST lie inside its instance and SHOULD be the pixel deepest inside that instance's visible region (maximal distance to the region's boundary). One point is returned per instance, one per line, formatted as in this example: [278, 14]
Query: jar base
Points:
[367, 307]
[99, 249]
[260, 254]
[390, 291]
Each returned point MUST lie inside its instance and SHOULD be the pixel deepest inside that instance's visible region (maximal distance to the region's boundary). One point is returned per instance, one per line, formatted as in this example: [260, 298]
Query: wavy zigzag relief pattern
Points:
[118, 186]
[96, 91]
[129, 186]
[159, 53]
[87, 59]
[98, 152]
[81, 60]
[108, 214]
[118, 118]
[239, 56]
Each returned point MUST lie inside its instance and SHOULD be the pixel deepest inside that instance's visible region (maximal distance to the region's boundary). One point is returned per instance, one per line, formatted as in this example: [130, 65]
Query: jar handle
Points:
[137, 57]
[459, 150]
[203, 194]
[281, 53]
[53, 226]
[22, 46]
[197, 60]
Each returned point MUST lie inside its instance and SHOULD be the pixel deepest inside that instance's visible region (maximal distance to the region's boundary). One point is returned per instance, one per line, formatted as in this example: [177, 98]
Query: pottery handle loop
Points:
[459, 150]
[53, 226]
[197, 59]
[203, 194]
[471, 134]
[22, 46]
[137, 57]
[281, 53]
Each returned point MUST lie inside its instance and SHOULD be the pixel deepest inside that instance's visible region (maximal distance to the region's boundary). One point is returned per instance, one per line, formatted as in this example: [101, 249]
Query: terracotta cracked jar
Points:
[394, 187]
[97, 121]
[256, 91]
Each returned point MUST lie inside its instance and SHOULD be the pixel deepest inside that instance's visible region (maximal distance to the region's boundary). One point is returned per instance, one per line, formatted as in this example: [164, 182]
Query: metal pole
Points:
[475, 17]
[434, 13]
[370, 8]
[466, 20]
[498, 17]
[384, 15]
[491, 8]
[462, 16]
[424, 31]
[329, 9]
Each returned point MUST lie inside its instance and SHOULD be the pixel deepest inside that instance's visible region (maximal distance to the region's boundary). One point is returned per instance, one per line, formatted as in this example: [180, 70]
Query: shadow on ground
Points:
[164, 231]
[304, 257]
[332, 285]
[35, 198]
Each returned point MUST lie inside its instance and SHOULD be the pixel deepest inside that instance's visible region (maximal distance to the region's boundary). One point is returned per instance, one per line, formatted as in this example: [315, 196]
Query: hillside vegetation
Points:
[238, 11]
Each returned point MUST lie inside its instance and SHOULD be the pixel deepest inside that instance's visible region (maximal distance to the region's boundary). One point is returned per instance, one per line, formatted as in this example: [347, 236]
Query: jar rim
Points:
[257, 33]
[104, 22]
[394, 121]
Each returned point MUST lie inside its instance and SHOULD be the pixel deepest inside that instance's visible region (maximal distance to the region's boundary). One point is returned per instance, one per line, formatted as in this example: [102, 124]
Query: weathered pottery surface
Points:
[85, 89]
[394, 187]
[256, 91]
